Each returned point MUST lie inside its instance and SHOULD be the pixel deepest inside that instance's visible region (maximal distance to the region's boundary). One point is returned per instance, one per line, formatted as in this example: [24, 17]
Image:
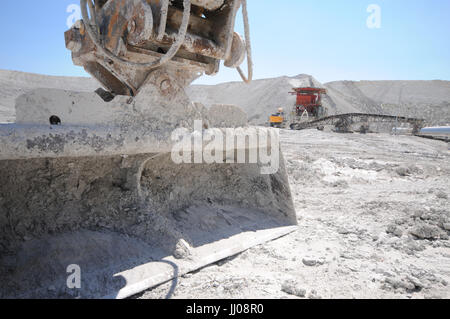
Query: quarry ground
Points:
[374, 219]
[373, 210]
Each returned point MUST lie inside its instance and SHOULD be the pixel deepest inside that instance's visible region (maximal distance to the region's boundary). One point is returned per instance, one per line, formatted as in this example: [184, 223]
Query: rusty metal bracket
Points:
[120, 42]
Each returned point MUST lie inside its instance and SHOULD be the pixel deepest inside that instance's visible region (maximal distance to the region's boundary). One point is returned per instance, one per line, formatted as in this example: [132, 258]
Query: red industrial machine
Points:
[309, 102]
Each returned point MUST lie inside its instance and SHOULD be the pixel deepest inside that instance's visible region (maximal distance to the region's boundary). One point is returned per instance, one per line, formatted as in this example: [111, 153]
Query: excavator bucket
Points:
[109, 199]
[107, 194]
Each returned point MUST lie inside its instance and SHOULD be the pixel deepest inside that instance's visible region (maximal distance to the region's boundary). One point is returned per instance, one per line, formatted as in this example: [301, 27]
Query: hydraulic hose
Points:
[249, 77]
[155, 64]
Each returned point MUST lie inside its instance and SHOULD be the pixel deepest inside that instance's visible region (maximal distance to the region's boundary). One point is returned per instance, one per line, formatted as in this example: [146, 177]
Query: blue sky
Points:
[328, 39]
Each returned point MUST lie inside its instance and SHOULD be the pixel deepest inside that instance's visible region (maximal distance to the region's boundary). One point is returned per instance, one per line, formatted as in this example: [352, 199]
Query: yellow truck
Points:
[278, 119]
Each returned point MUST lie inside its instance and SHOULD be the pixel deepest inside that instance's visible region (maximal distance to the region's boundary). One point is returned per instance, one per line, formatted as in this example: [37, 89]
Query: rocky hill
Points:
[423, 99]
